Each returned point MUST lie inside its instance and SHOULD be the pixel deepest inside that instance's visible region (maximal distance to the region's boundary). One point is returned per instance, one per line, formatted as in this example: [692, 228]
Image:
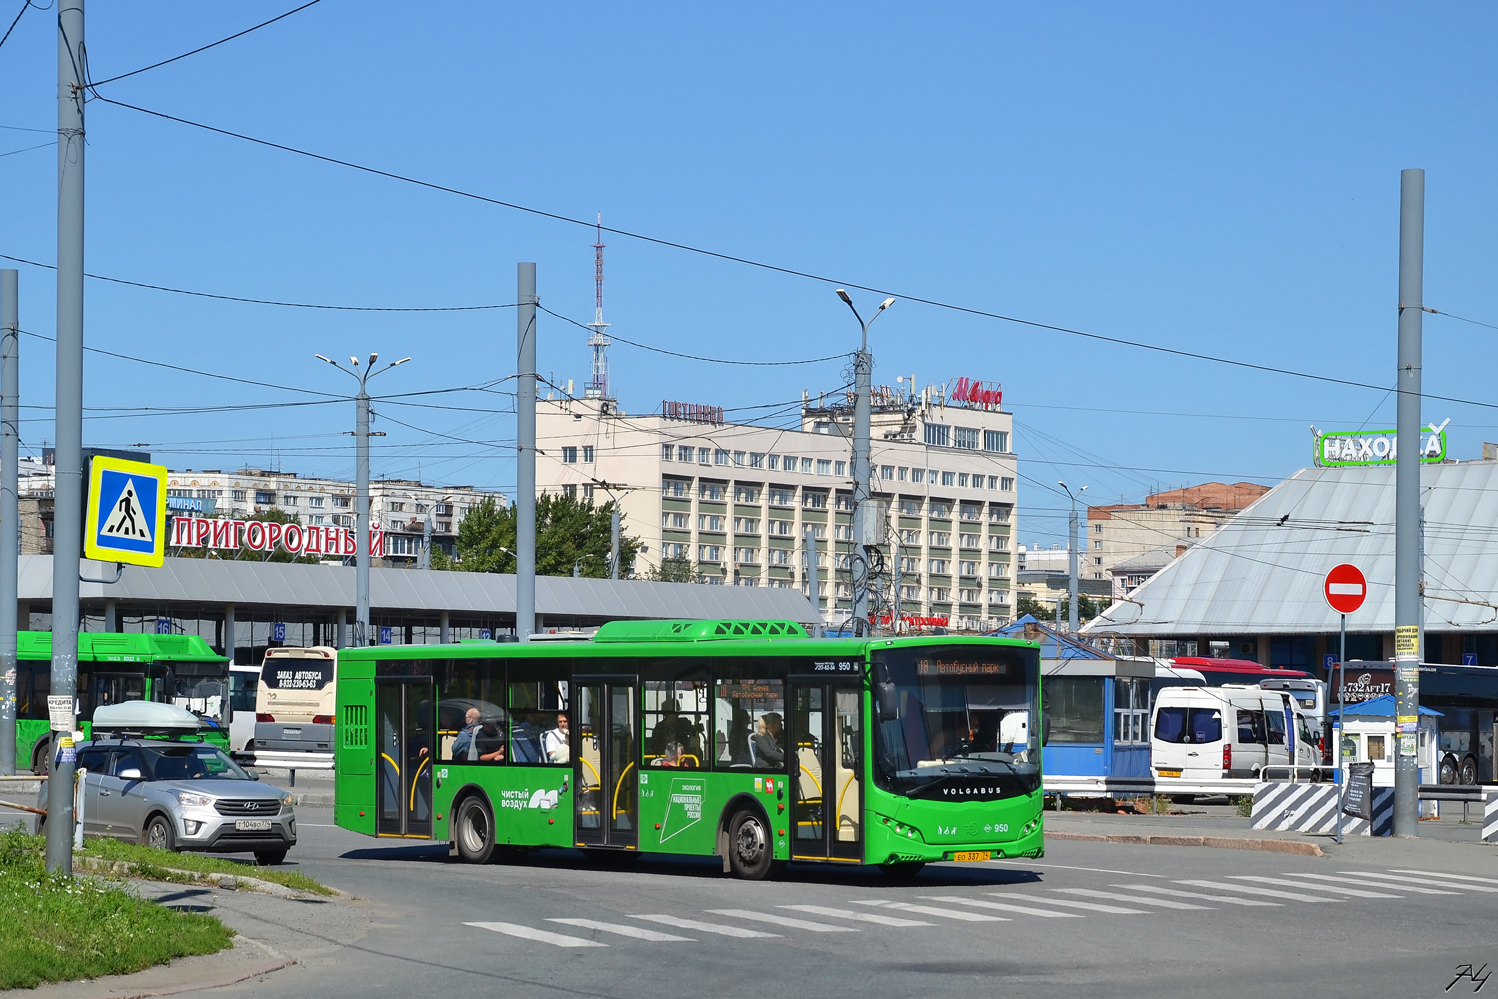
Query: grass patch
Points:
[56, 928]
[153, 865]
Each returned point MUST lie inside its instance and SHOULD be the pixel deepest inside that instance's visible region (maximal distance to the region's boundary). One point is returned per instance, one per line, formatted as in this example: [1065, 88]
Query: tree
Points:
[245, 553]
[569, 532]
[675, 569]
[1087, 609]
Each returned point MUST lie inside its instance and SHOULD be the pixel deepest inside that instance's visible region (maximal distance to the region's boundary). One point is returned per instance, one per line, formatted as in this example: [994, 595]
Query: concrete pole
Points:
[1407, 568]
[342, 628]
[863, 369]
[67, 542]
[425, 562]
[1071, 568]
[444, 624]
[525, 471]
[10, 525]
[614, 542]
[229, 633]
[813, 584]
[894, 618]
[361, 517]
[111, 615]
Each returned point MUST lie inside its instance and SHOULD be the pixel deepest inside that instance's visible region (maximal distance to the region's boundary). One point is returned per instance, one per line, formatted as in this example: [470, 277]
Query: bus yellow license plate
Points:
[973, 855]
[1168, 773]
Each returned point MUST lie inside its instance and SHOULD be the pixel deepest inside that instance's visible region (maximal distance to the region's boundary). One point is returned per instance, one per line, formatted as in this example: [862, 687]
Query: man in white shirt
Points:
[557, 743]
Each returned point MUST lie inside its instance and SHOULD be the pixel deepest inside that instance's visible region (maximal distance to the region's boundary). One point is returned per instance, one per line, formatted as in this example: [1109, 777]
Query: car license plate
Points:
[252, 825]
[1168, 773]
[291, 733]
[970, 855]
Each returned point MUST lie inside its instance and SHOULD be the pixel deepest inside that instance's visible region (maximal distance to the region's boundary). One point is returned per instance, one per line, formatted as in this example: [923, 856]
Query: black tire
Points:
[41, 757]
[269, 858]
[751, 847]
[902, 870]
[473, 831]
[1468, 771]
[159, 833]
[1448, 769]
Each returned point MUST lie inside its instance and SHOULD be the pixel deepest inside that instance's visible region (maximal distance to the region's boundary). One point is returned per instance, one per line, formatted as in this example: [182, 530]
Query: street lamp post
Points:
[361, 500]
[863, 536]
[1071, 557]
[614, 549]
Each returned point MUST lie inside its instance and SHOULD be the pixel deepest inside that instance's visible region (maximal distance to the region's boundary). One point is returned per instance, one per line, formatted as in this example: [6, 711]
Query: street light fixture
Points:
[361, 501]
[863, 536]
[614, 549]
[1071, 557]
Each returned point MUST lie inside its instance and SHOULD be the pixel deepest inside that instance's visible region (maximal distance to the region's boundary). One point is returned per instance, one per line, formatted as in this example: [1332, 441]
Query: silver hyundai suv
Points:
[182, 796]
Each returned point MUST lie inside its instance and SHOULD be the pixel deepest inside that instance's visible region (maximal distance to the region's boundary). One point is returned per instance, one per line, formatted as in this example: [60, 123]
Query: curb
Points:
[1217, 842]
[228, 882]
[217, 983]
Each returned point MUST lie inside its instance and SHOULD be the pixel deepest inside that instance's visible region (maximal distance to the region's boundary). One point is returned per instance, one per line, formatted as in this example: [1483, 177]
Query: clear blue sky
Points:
[1218, 180]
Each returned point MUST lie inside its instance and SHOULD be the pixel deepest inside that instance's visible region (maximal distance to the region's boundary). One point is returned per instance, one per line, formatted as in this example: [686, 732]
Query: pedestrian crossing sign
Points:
[126, 512]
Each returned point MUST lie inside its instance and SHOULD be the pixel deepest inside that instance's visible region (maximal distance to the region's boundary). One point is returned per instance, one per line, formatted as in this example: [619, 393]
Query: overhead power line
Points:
[696, 357]
[793, 272]
[200, 48]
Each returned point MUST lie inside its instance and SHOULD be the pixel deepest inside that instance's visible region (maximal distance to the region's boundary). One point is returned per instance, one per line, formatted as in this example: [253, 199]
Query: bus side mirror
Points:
[886, 701]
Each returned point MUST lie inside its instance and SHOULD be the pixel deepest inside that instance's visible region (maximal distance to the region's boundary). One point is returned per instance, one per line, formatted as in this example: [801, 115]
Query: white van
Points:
[1209, 733]
[244, 686]
[1311, 695]
[296, 700]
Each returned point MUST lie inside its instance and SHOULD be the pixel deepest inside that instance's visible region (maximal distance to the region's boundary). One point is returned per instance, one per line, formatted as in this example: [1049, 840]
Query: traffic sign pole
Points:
[1345, 589]
[1341, 723]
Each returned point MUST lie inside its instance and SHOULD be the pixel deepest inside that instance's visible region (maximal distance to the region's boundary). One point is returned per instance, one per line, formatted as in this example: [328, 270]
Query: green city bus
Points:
[744, 740]
[115, 667]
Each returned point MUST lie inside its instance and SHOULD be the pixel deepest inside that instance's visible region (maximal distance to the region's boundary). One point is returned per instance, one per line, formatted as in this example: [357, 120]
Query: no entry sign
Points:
[1345, 588]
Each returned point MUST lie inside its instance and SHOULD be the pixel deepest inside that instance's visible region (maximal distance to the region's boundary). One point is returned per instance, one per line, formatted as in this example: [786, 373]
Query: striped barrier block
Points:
[1490, 816]
[1312, 808]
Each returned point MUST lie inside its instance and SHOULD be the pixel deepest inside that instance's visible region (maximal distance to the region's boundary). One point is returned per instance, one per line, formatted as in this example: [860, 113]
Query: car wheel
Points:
[1468, 773]
[269, 858]
[474, 831]
[159, 834]
[1448, 770]
[751, 853]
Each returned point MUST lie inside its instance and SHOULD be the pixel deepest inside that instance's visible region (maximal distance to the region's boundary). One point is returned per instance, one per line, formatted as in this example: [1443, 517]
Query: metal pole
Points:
[444, 624]
[67, 543]
[894, 620]
[813, 585]
[10, 525]
[229, 650]
[1407, 568]
[425, 562]
[1341, 721]
[1071, 567]
[614, 541]
[863, 368]
[525, 471]
[361, 518]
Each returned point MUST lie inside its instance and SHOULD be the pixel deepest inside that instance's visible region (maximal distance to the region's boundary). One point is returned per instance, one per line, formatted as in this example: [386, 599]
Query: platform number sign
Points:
[387, 635]
[278, 631]
[126, 512]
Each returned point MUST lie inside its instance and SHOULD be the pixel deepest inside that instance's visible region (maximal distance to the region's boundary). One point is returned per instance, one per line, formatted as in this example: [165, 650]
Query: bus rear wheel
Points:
[751, 854]
[474, 831]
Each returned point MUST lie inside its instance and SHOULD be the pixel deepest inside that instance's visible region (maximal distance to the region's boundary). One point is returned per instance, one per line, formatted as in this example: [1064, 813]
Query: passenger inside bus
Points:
[489, 742]
[556, 743]
[768, 745]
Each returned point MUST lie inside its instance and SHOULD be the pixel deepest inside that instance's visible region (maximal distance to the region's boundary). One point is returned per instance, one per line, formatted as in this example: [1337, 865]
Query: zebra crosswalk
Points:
[924, 913]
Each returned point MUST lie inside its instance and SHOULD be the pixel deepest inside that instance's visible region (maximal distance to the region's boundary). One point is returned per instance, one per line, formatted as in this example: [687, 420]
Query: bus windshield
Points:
[963, 711]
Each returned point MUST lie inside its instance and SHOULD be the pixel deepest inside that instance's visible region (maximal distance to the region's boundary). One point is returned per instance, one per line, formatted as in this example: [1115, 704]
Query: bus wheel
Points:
[41, 757]
[1448, 769]
[902, 870]
[1469, 770]
[474, 831]
[751, 855]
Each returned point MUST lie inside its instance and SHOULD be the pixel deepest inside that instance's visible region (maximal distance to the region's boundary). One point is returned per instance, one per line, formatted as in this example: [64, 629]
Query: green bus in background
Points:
[175, 669]
[745, 740]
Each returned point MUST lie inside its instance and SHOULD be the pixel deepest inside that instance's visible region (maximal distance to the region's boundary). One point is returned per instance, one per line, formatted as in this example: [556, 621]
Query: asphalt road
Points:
[1089, 919]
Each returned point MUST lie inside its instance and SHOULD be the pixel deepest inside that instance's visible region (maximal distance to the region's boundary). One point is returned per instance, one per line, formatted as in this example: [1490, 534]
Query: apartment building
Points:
[736, 500]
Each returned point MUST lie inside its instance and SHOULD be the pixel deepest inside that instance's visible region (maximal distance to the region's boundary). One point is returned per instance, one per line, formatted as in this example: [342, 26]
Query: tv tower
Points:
[598, 385]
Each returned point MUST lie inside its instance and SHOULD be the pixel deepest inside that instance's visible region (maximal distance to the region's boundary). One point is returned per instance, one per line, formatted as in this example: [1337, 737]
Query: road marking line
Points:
[1453, 877]
[1163, 903]
[1230, 900]
[638, 932]
[862, 917]
[1270, 892]
[1065, 867]
[1002, 907]
[1355, 892]
[1372, 884]
[931, 910]
[1116, 910]
[541, 936]
[784, 921]
[697, 924]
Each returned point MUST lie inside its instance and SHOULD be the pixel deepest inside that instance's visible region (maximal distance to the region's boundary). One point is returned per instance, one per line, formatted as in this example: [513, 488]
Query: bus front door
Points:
[406, 716]
[605, 754]
[827, 772]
